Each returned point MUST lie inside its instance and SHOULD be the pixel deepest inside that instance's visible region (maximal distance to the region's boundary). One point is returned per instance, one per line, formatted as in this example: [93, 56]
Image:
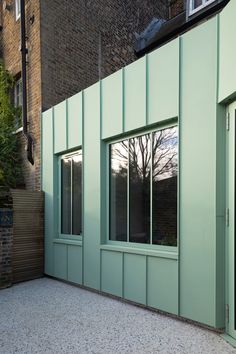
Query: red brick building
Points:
[71, 45]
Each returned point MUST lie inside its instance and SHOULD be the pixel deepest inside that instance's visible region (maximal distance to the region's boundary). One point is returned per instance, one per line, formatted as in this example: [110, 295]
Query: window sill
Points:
[68, 242]
[141, 251]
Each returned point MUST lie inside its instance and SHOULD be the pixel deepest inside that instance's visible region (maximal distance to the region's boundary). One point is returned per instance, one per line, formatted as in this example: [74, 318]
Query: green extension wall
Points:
[187, 81]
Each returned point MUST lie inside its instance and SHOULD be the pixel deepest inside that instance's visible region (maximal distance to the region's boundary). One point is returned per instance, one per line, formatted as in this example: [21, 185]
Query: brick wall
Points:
[85, 40]
[6, 241]
[6, 238]
[10, 45]
[176, 7]
[71, 45]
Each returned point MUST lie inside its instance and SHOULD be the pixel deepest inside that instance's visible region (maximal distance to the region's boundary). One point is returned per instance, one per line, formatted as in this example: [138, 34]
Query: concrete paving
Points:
[48, 316]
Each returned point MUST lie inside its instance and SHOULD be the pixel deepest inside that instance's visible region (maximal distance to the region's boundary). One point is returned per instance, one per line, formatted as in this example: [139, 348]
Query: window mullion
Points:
[128, 212]
[151, 176]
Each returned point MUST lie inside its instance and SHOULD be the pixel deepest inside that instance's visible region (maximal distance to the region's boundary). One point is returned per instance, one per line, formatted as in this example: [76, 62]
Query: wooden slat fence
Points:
[28, 231]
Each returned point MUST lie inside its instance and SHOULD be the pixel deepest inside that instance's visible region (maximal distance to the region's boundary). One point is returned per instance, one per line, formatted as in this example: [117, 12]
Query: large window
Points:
[143, 188]
[71, 194]
[197, 5]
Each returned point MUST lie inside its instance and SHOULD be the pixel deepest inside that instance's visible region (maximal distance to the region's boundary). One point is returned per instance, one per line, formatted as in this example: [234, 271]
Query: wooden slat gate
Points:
[28, 231]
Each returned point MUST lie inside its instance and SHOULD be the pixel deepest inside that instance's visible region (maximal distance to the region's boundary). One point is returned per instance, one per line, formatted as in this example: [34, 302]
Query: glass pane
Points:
[77, 194]
[66, 196]
[196, 4]
[164, 186]
[118, 191]
[139, 188]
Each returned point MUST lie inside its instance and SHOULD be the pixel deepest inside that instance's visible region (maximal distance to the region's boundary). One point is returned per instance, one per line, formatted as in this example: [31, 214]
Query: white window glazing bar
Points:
[128, 213]
[151, 176]
[205, 3]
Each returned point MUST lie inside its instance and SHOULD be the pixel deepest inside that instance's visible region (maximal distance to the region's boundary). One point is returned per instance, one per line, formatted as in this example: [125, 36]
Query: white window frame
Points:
[17, 9]
[18, 83]
[192, 11]
[60, 234]
[16, 102]
[146, 246]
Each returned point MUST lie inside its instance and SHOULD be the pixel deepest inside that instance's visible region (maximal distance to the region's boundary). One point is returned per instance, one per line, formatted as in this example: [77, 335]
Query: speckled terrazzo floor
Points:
[47, 316]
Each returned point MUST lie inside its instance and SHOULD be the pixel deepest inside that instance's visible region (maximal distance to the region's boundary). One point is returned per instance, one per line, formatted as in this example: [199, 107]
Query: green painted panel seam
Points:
[83, 155]
[53, 149]
[147, 86]
[100, 285]
[217, 96]
[67, 123]
[179, 164]
[146, 295]
[123, 100]
[67, 262]
[100, 182]
[123, 275]
[101, 108]
[53, 130]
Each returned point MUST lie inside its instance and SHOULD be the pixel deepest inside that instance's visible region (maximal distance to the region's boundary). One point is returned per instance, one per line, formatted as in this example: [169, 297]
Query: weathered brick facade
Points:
[71, 44]
[6, 241]
[10, 43]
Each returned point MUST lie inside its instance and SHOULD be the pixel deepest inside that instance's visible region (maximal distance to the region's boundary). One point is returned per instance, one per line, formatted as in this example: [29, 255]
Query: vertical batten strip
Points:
[67, 124]
[147, 88]
[146, 280]
[123, 275]
[101, 188]
[151, 176]
[128, 213]
[178, 178]
[83, 160]
[123, 99]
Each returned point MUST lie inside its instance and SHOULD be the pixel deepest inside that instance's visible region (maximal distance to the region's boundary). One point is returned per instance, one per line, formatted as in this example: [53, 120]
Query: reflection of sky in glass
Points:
[119, 155]
[165, 153]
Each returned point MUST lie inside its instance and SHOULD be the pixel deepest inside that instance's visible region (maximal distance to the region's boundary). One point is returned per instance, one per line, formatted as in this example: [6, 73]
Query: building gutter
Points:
[24, 52]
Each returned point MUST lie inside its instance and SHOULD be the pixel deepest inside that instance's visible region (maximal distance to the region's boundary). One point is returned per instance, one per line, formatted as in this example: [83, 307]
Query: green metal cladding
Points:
[187, 81]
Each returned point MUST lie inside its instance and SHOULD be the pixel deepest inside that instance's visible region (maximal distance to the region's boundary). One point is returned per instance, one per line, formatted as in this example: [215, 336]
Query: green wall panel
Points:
[75, 119]
[75, 264]
[112, 105]
[47, 186]
[92, 193]
[227, 52]
[198, 173]
[112, 269]
[135, 278]
[60, 261]
[60, 127]
[162, 284]
[135, 95]
[163, 83]
[194, 286]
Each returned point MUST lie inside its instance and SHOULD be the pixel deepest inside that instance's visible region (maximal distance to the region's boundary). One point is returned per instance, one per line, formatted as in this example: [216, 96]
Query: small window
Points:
[18, 93]
[17, 9]
[143, 188]
[71, 194]
[197, 5]
[17, 101]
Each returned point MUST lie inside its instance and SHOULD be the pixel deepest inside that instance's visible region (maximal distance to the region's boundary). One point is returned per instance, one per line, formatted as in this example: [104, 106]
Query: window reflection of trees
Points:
[135, 155]
[71, 194]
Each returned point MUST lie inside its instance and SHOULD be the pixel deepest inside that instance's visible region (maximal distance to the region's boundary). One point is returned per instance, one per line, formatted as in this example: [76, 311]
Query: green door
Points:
[230, 223]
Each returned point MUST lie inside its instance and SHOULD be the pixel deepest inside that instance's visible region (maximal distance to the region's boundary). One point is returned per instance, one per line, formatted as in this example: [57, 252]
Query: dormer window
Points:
[197, 5]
